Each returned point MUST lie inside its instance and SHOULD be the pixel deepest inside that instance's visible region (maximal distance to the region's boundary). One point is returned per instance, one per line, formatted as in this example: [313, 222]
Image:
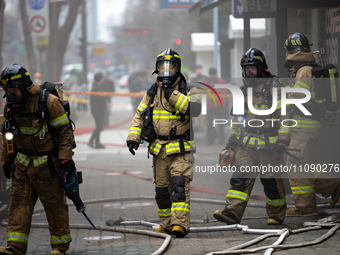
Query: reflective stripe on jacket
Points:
[163, 120]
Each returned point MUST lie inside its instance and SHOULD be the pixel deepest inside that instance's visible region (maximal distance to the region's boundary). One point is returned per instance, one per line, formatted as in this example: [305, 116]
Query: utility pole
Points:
[2, 20]
[84, 40]
[215, 28]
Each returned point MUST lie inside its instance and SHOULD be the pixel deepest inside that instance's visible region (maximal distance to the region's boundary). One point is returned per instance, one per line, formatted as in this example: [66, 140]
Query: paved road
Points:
[105, 176]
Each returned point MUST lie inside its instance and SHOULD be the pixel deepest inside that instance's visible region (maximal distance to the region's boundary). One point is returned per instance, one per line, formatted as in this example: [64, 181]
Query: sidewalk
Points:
[105, 176]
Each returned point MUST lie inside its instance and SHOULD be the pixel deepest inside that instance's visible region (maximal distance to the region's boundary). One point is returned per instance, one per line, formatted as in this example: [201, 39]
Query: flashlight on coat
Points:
[9, 142]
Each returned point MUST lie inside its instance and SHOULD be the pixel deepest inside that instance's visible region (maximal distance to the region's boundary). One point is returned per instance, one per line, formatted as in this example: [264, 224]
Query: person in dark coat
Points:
[139, 84]
[199, 76]
[98, 110]
[108, 86]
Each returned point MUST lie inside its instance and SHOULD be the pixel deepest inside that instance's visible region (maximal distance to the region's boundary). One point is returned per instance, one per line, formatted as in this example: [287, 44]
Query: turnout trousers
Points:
[27, 187]
[242, 182]
[172, 176]
[305, 181]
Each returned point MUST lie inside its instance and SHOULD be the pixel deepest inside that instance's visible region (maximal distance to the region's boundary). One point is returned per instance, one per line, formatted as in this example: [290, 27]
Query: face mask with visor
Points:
[249, 78]
[14, 95]
[167, 72]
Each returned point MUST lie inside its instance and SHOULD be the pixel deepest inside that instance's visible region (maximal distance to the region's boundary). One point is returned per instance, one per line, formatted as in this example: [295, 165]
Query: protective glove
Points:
[8, 169]
[67, 165]
[231, 145]
[133, 146]
[168, 92]
[280, 148]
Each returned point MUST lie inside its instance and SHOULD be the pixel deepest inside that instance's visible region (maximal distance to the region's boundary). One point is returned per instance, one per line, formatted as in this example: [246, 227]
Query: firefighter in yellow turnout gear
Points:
[37, 160]
[171, 143]
[252, 150]
[305, 134]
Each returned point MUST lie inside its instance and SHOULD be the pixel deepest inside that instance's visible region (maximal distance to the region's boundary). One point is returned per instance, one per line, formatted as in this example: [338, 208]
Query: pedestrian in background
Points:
[139, 84]
[108, 86]
[80, 86]
[199, 76]
[98, 110]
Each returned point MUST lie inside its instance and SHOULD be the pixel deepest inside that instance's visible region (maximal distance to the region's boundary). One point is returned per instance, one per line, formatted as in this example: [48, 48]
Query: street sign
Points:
[37, 12]
[180, 4]
[37, 24]
[237, 9]
[20, 48]
[258, 5]
[43, 40]
[98, 50]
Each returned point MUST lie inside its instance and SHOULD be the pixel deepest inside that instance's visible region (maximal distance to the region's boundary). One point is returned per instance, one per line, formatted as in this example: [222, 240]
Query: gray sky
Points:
[110, 13]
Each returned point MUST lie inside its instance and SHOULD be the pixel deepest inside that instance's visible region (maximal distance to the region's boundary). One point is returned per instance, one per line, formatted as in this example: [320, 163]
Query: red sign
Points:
[37, 24]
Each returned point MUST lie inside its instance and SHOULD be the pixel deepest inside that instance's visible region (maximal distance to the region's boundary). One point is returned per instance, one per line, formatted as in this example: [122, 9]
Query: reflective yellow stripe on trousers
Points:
[17, 237]
[164, 212]
[61, 239]
[180, 206]
[303, 189]
[238, 195]
[276, 202]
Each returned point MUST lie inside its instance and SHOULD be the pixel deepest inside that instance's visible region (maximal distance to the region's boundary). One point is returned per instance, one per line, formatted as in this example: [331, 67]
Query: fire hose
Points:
[166, 243]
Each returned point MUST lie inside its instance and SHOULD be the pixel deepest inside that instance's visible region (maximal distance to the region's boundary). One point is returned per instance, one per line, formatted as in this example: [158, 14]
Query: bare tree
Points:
[59, 36]
[2, 10]
[28, 39]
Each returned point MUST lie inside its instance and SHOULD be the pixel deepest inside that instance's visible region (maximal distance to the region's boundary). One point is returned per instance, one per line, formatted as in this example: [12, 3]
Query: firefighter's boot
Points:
[6, 251]
[57, 252]
[335, 196]
[294, 211]
[179, 231]
[162, 230]
[226, 216]
[274, 221]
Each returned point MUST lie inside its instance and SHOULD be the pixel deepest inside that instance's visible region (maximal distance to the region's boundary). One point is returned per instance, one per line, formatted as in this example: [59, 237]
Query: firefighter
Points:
[300, 62]
[174, 104]
[252, 150]
[36, 161]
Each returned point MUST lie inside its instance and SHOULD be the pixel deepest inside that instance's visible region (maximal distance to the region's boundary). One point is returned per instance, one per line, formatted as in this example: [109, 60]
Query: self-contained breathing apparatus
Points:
[11, 130]
[168, 66]
[327, 89]
[148, 133]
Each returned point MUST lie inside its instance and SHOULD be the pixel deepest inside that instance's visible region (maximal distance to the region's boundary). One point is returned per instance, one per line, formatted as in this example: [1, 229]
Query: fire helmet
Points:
[16, 80]
[15, 75]
[254, 57]
[297, 42]
[168, 65]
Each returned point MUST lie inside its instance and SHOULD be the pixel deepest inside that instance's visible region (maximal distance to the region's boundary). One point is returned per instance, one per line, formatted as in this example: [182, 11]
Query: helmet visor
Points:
[167, 69]
[14, 95]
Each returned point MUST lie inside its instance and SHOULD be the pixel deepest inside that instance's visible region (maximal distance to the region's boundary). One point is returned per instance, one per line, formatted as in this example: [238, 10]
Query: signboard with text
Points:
[258, 5]
[237, 9]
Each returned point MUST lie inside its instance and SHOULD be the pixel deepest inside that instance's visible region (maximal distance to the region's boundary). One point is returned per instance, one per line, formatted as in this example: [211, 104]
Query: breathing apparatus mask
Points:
[168, 72]
[249, 77]
[14, 95]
